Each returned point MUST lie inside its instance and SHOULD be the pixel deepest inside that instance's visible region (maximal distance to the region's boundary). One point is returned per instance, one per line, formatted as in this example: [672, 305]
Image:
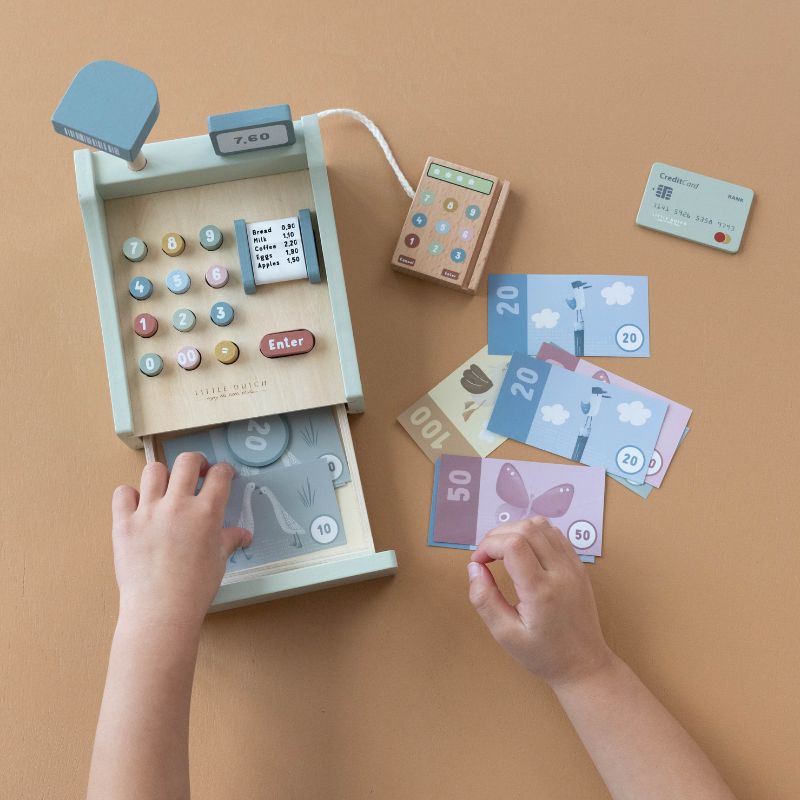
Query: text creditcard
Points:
[577, 417]
[452, 417]
[695, 207]
[675, 420]
[471, 496]
[592, 315]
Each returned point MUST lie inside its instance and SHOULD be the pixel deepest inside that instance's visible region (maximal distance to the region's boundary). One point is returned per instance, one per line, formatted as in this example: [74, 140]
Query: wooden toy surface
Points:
[212, 391]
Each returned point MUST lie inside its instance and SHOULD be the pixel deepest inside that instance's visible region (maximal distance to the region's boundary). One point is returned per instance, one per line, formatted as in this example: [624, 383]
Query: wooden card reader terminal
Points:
[451, 225]
[226, 327]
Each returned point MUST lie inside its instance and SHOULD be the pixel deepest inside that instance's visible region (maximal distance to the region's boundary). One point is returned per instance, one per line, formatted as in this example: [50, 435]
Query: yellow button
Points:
[227, 352]
[173, 244]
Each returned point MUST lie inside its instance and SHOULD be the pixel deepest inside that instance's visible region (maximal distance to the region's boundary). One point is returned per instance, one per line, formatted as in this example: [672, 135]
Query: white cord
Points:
[379, 138]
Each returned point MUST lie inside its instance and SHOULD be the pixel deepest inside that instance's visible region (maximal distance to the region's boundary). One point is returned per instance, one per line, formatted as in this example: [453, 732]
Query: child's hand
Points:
[553, 630]
[170, 548]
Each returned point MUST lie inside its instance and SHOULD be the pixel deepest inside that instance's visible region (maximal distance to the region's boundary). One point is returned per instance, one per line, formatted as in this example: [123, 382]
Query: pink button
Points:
[189, 357]
[145, 325]
[217, 276]
[465, 234]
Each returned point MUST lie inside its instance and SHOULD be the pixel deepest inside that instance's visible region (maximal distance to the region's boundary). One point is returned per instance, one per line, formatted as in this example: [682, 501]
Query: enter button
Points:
[287, 343]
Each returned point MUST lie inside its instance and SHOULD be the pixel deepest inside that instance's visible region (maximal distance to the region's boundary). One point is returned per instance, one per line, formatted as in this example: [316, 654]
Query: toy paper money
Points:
[592, 315]
[676, 419]
[452, 417]
[291, 512]
[579, 418]
[471, 496]
[300, 437]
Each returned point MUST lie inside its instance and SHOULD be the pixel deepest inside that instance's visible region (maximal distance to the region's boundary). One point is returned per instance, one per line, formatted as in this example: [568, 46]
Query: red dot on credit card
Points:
[719, 236]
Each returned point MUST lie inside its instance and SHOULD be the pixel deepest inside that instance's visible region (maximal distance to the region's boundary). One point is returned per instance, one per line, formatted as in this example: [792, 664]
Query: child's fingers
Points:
[514, 549]
[217, 484]
[154, 482]
[124, 502]
[561, 543]
[234, 538]
[186, 472]
[499, 617]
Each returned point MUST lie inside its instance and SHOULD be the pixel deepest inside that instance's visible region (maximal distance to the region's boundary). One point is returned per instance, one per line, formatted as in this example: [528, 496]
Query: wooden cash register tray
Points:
[184, 187]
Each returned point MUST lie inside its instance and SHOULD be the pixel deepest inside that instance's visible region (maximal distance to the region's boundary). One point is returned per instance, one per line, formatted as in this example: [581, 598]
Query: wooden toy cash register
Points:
[225, 321]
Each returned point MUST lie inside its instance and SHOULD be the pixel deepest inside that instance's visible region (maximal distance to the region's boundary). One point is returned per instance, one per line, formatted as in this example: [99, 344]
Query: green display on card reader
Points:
[458, 178]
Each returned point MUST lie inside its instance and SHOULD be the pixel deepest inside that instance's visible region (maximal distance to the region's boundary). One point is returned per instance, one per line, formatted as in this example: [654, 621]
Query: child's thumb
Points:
[234, 538]
[487, 599]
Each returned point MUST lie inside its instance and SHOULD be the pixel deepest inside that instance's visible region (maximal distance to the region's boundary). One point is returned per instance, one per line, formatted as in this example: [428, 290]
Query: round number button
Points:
[145, 325]
[134, 249]
[434, 248]
[183, 320]
[226, 352]
[412, 240]
[472, 212]
[217, 276]
[211, 237]
[222, 314]
[419, 220]
[442, 226]
[258, 442]
[582, 534]
[173, 244]
[450, 204]
[426, 198]
[458, 255]
[465, 234]
[151, 364]
[189, 358]
[630, 338]
[324, 529]
[140, 288]
[630, 460]
[178, 281]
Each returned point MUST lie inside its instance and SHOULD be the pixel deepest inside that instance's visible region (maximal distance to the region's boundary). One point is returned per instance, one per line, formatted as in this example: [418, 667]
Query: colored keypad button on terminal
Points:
[151, 364]
[189, 358]
[222, 313]
[183, 320]
[140, 288]
[173, 244]
[442, 226]
[450, 204]
[226, 351]
[217, 276]
[211, 237]
[472, 212]
[412, 240]
[434, 248]
[178, 281]
[458, 255]
[465, 234]
[145, 325]
[419, 220]
[426, 198]
[134, 249]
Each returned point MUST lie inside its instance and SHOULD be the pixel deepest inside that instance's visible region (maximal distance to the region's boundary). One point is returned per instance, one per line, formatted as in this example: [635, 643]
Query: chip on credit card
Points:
[695, 207]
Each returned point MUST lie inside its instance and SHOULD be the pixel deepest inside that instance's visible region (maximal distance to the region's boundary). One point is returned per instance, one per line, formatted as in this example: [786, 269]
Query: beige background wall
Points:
[393, 689]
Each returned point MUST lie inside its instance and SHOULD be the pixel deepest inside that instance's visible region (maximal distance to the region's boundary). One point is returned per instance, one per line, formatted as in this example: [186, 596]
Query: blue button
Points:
[178, 281]
[442, 226]
[222, 313]
[140, 288]
[419, 220]
[458, 255]
[473, 212]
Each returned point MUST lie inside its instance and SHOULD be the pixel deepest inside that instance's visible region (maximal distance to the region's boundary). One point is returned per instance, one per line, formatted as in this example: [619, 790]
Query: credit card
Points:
[695, 207]
[471, 496]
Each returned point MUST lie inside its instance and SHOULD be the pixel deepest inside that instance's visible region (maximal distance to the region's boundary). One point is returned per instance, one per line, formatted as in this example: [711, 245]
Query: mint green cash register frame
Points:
[192, 162]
